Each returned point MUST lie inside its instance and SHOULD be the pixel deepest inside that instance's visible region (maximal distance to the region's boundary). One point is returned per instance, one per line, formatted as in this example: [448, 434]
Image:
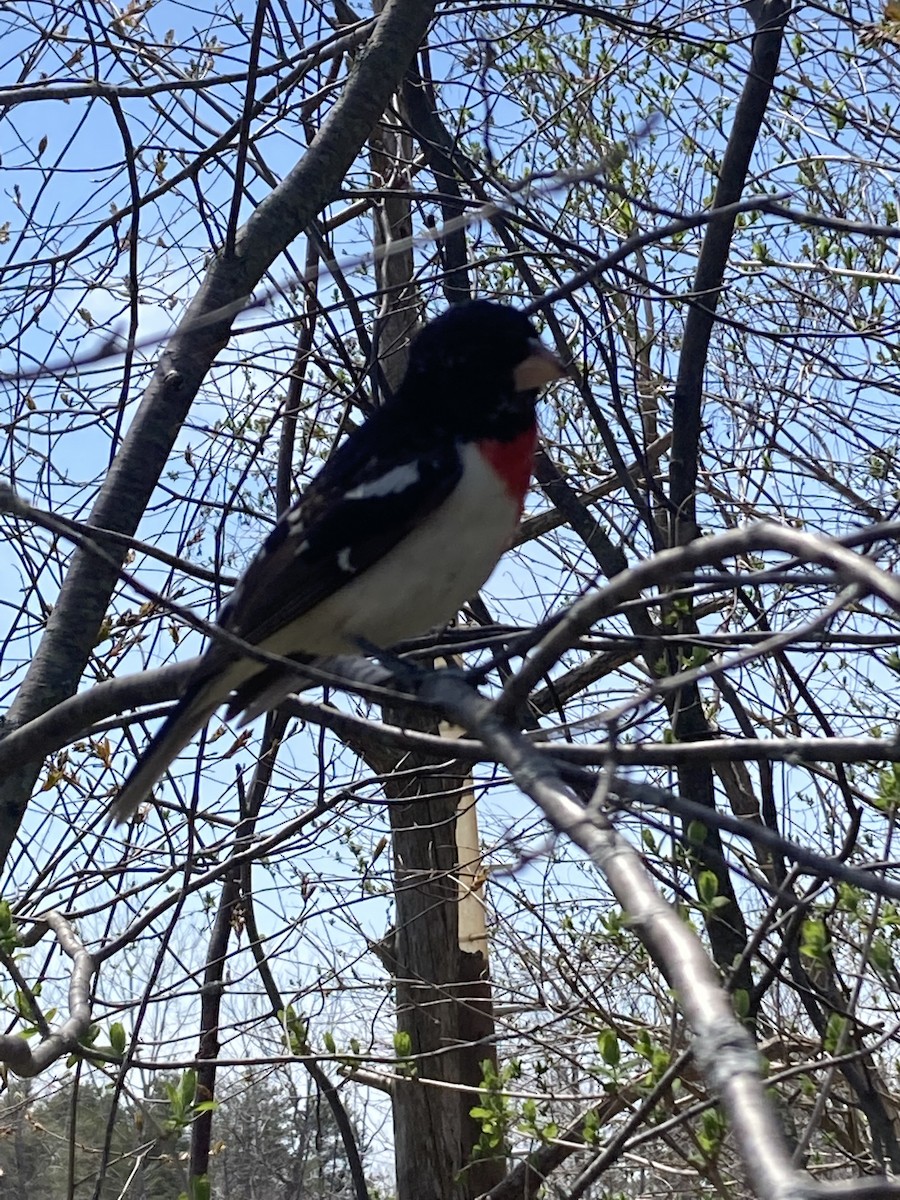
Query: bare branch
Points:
[17, 1051]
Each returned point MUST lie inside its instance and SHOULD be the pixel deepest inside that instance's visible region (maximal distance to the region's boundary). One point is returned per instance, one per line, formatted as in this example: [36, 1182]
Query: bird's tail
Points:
[191, 714]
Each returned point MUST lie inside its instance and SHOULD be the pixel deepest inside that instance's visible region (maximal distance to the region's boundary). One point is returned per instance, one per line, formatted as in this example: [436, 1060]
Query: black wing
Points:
[363, 502]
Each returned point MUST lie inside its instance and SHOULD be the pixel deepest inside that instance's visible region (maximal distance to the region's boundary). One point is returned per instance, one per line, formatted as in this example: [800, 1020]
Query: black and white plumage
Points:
[404, 522]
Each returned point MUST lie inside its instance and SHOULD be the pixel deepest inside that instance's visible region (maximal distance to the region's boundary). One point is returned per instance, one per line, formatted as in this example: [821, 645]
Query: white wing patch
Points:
[397, 480]
[420, 582]
[343, 560]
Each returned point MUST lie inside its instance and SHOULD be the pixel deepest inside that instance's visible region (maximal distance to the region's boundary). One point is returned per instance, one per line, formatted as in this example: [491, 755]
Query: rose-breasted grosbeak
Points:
[404, 522]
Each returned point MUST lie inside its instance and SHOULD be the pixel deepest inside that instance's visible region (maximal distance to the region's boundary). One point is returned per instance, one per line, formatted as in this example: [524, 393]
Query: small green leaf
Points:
[608, 1045]
[188, 1088]
[117, 1038]
[740, 1002]
[707, 886]
[834, 1032]
[696, 833]
[402, 1044]
[814, 940]
[881, 956]
[590, 1129]
[200, 1188]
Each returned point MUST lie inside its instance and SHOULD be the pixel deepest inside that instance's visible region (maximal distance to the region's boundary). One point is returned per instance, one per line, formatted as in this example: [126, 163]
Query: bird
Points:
[402, 524]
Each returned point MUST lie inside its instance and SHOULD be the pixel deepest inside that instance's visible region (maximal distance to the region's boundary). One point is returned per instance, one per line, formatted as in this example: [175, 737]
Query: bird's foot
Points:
[408, 675]
[412, 676]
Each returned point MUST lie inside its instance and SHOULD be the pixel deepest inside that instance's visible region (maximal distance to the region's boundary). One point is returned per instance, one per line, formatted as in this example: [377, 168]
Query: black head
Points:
[478, 362]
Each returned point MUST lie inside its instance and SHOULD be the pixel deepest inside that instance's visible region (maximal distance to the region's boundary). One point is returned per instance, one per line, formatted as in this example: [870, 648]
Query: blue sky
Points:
[59, 431]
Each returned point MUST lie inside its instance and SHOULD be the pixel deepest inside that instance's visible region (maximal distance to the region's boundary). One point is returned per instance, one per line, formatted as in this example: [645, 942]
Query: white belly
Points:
[423, 582]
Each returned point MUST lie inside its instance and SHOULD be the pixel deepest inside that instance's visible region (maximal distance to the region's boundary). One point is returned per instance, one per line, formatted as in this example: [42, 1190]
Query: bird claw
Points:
[411, 676]
[408, 674]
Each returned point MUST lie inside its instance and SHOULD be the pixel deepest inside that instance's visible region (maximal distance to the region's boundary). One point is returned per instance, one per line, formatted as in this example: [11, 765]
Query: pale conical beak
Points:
[540, 367]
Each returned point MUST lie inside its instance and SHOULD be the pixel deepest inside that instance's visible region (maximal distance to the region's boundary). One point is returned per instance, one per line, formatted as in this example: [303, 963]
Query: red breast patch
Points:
[513, 461]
